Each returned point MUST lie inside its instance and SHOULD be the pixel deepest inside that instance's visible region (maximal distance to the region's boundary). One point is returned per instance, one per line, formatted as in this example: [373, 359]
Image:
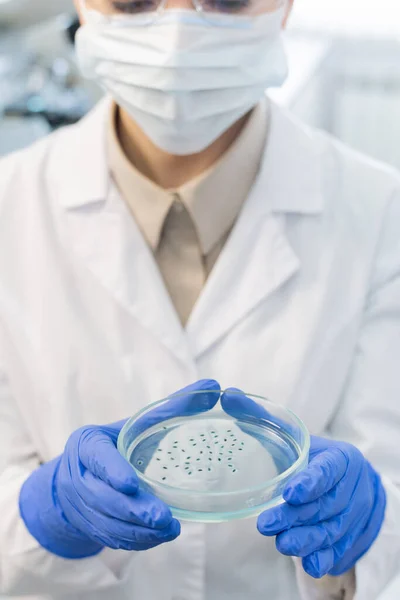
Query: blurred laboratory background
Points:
[344, 57]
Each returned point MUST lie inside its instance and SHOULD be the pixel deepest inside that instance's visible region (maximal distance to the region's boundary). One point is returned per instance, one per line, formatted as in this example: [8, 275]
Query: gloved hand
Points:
[333, 510]
[333, 513]
[89, 497]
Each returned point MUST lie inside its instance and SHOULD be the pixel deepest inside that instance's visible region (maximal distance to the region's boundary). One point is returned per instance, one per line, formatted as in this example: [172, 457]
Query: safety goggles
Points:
[146, 12]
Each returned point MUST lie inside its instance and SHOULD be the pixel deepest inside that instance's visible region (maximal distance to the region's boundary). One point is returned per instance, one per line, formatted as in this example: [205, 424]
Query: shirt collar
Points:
[148, 202]
[293, 177]
[214, 199]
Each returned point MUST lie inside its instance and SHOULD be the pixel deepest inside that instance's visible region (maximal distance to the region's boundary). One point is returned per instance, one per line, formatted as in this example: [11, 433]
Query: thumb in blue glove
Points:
[89, 497]
[333, 512]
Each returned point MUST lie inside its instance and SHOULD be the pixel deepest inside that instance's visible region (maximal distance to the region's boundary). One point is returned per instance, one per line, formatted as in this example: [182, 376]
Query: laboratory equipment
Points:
[229, 462]
[41, 89]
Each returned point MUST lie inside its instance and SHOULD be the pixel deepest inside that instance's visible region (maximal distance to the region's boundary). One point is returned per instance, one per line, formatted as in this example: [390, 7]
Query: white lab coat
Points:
[303, 307]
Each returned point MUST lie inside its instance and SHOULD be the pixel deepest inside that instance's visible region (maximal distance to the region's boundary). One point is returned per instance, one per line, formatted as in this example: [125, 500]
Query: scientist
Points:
[191, 230]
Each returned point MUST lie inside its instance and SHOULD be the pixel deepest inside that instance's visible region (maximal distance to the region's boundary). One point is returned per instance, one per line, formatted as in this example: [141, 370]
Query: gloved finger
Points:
[197, 398]
[305, 540]
[138, 540]
[132, 547]
[335, 559]
[141, 509]
[324, 562]
[120, 535]
[286, 516]
[113, 429]
[97, 453]
[323, 473]
[142, 536]
[360, 541]
[240, 406]
[114, 533]
[320, 563]
[348, 544]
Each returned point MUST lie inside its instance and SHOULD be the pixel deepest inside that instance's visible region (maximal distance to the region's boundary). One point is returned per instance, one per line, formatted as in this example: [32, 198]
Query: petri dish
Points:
[215, 455]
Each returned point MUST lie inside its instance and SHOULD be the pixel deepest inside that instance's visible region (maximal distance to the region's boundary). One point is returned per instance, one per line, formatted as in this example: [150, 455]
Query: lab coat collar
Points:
[291, 169]
[258, 254]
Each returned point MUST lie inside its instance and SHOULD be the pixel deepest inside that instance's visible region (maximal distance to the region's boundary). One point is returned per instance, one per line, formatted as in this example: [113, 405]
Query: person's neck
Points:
[167, 170]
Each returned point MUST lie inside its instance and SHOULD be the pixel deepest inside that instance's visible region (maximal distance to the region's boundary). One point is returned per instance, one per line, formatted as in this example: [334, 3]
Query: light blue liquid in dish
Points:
[212, 467]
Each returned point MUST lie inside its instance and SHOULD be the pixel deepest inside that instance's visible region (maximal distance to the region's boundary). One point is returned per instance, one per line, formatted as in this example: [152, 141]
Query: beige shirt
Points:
[187, 228]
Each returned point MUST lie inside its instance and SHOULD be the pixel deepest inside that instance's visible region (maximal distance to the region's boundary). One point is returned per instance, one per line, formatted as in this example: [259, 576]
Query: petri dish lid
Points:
[215, 455]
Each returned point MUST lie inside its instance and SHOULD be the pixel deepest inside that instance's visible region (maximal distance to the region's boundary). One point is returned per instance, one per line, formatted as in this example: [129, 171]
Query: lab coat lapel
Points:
[105, 238]
[257, 261]
[258, 258]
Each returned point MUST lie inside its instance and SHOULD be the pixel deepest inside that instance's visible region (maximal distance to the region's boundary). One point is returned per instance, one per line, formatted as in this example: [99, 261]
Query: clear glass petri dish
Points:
[213, 455]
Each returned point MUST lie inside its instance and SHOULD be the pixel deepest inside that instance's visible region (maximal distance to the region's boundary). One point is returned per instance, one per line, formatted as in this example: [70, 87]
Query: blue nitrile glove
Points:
[89, 497]
[333, 513]
[333, 510]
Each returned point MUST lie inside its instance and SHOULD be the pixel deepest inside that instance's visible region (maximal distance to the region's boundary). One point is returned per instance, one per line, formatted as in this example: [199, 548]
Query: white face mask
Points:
[184, 81]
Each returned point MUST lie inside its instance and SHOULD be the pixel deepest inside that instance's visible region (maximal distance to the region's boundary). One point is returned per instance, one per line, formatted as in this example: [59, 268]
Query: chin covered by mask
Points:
[183, 80]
